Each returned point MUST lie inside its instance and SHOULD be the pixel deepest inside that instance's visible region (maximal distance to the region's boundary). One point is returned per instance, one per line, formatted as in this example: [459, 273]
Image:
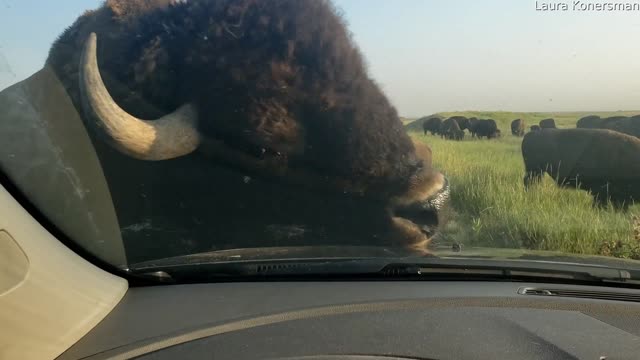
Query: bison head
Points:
[271, 89]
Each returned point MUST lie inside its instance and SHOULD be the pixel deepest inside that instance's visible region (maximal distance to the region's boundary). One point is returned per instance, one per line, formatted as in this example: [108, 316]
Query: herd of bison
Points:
[600, 155]
[453, 127]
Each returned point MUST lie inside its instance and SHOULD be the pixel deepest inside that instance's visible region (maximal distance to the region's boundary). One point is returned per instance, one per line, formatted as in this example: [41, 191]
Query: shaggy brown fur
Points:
[279, 76]
[280, 89]
[604, 162]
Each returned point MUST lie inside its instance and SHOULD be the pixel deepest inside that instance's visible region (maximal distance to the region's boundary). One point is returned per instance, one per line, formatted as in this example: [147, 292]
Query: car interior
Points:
[69, 290]
[56, 304]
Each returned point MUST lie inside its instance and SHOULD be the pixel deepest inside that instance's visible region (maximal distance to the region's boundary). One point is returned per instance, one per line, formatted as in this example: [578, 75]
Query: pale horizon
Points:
[433, 56]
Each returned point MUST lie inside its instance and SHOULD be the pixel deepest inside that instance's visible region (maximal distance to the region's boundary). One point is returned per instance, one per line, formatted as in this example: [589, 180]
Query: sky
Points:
[432, 55]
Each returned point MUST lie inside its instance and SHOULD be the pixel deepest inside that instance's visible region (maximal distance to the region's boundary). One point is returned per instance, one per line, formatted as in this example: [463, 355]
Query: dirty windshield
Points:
[266, 129]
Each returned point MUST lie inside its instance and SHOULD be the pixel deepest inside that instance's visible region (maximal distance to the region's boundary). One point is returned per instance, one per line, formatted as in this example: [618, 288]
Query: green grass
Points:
[489, 206]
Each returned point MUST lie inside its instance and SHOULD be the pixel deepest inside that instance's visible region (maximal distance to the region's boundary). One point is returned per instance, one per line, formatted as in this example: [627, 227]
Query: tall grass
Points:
[490, 207]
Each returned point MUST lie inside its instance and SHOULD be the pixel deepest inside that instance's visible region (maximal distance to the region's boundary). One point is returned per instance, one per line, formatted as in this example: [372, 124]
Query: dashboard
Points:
[368, 320]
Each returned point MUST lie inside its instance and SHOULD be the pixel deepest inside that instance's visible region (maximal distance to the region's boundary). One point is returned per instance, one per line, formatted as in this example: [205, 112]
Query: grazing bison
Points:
[262, 128]
[432, 125]
[472, 126]
[589, 122]
[517, 127]
[603, 162]
[487, 128]
[623, 124]
[534, 128]
[547, 124]
[462, 121]
[450, 129]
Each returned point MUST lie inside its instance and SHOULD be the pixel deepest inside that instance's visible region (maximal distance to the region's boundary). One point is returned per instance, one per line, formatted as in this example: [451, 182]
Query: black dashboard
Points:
[368, 320]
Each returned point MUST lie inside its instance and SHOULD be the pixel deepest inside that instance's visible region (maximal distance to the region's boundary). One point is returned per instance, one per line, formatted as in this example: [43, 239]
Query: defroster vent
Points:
[600, 295]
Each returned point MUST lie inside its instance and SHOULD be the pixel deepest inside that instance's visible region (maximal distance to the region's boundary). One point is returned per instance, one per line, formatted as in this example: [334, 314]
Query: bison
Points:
[227, 124]
[603, 162]
[534, 128]
[487, 128]
[623, 124]
[517, 127]
[547, 124]
[462, 121]
[432, 125]
[450, 129]
[589, 122]
[472, 126]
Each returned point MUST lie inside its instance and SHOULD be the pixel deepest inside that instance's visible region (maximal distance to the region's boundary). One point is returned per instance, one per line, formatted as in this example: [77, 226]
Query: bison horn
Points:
[168, 137]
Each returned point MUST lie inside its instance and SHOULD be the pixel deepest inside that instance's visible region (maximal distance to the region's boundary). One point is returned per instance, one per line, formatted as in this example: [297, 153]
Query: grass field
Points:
[489, 206]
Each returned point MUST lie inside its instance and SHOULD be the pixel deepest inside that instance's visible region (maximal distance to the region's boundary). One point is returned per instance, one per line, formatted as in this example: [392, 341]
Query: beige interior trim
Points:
[49, 296]
[48, 154]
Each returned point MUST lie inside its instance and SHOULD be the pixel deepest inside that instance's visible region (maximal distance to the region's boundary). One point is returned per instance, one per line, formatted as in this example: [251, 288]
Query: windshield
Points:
[279, 129]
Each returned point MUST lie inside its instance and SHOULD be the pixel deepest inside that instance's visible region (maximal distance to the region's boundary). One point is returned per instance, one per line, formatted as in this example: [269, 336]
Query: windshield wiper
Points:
[515, 270]
[258, 269]
[430, 268]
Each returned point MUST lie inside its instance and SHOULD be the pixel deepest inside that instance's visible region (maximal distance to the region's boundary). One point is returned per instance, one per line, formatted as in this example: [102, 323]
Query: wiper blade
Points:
[414, 268]
[252, 269]
[513, 269]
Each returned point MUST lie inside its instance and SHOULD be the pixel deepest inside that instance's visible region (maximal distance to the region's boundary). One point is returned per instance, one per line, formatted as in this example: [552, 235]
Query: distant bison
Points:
[450, 129]
[517, 127]
[432, 125]
[487, 128]
[548, 124]
[623, 124]
[472, 126]
[589, 122]
[534, 128]
[603, 162]
[462, 121]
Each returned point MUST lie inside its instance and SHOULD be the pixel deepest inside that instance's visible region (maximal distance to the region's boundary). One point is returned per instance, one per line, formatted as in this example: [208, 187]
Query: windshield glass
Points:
[273, 129]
